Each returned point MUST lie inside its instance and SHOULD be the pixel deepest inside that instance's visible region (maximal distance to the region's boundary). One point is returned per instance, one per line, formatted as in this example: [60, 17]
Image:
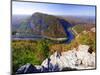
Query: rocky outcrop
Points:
[93, 29]
[80, 58]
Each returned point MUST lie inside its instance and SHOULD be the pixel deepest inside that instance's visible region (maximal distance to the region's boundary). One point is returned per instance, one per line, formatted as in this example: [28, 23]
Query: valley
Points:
[41, 35]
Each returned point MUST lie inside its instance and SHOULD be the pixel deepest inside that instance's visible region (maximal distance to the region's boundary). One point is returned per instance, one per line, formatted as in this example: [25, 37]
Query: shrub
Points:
[27, 51]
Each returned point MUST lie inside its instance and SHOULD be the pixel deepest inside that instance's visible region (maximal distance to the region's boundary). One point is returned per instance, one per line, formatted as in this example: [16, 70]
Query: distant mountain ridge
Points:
[44, 24]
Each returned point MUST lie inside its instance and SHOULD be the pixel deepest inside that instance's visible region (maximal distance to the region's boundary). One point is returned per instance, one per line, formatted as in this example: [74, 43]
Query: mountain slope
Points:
[47, 25]
[44, 24]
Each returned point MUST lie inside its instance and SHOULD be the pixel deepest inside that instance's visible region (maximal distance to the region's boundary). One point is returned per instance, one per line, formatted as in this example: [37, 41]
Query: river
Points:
[66, 26]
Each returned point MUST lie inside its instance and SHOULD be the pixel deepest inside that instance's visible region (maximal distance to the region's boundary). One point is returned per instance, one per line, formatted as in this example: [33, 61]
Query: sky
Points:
[29, 8]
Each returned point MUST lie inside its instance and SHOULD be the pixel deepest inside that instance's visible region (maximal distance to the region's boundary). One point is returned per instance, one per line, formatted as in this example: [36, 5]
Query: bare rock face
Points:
[87, 59]
[93, 29]
[75, 59]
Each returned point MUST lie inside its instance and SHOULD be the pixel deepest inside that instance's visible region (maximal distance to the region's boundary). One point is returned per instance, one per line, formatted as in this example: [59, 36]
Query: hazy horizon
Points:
[29, 8]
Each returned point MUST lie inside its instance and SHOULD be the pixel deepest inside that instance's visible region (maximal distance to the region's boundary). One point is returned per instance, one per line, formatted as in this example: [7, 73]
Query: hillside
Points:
[76, 59]
[44, 24]
[74, 37]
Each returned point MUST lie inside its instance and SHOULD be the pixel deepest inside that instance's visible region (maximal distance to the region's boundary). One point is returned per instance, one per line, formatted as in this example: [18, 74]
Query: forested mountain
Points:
[43, 24]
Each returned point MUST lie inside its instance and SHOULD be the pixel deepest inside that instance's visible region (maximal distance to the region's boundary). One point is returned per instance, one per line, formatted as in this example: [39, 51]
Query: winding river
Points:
[65, 25]
[68, 31]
